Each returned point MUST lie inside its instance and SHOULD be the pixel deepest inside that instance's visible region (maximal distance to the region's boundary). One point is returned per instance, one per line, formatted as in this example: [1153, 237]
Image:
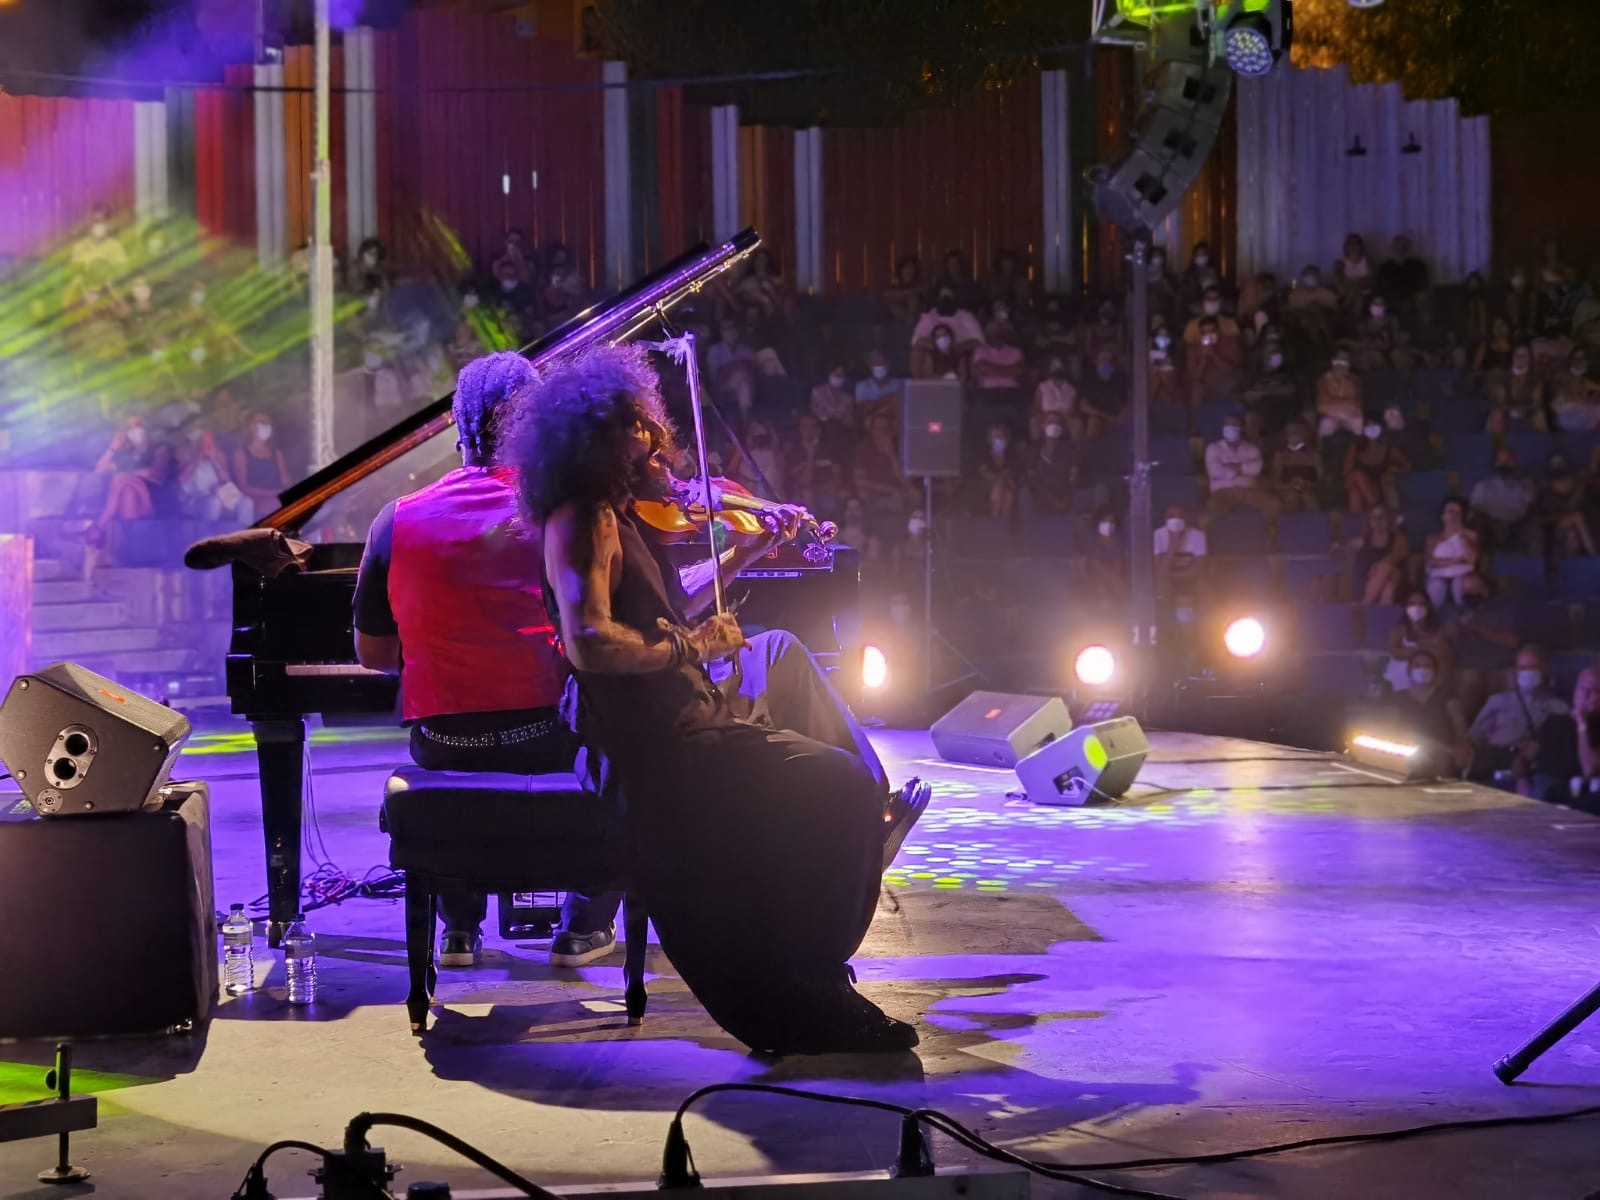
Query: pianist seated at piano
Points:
[449, 598]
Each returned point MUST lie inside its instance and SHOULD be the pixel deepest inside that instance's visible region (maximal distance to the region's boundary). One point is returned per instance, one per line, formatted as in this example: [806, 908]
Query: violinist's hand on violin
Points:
[691, 493]
[716, 637]
[786, 521]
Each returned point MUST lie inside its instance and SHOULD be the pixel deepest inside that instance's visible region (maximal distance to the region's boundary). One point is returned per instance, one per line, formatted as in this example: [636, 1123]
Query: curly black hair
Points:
[484, 390]
[565, 435]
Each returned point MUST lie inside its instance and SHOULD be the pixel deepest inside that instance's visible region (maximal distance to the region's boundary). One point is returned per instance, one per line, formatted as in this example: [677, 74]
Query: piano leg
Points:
[281, 757]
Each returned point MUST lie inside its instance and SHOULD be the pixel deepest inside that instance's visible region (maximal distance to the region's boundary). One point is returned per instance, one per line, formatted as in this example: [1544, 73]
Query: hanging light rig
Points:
[1250, 36]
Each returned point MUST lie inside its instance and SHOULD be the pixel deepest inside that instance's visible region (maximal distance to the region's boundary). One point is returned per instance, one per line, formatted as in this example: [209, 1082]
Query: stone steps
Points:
[91, 615]
[51, 570]
[59, 591]
[80, 645]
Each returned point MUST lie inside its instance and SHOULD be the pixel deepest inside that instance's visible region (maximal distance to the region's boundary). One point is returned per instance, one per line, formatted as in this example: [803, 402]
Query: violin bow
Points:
[681, 350]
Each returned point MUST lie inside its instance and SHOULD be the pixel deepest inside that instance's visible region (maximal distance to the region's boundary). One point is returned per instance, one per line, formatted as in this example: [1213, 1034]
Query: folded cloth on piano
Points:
[268, 552]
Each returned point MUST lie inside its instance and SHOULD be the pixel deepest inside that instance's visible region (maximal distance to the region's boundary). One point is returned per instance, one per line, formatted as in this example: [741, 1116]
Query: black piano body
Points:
[293, 654]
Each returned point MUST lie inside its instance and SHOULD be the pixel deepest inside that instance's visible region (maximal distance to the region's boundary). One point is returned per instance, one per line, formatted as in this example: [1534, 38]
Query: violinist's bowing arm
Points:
[696, 577]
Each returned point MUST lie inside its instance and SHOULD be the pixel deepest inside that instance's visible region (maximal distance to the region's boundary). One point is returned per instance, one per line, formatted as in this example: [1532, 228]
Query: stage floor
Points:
[1257, 945]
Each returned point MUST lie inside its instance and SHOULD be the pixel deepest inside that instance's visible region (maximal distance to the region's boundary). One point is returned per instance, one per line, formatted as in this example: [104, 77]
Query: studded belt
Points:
[532, 731]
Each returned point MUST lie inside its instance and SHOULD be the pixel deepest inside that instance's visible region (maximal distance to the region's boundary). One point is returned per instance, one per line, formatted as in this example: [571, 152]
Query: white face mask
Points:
[470, 300]
[1107, 528]
[136, 437]
[508, 285]
[1184, 616]
[198, 354]
[1163, 341]
[372, 360]
[1311, 281]
[1208, 339]
[1373, 432]
[1274, 361]
[1300, 445]
[98, 229]
[372, 302]
[1579, 370]
[880, 372]
[1416, 612]
[1377, 310]
[197, 297]
[141, 293]
[1422, 676]
[263, 432]
[1052, 431]
[1212, 307]
[1175, 524]
[370, 257]
[1231, 433]
[1202, 260]
[1519, 369]
[900, 613]
[942, 344]
[194, 436]
[1528, 680]
[998, 445]
[916, 526]
[1340, 364]
[836, 382]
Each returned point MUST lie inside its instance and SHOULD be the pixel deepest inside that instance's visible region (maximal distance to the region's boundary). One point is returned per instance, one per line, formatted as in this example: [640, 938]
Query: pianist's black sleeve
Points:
[373, 615]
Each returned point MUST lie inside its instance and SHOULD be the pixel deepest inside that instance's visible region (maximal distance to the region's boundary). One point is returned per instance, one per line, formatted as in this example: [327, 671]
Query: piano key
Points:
[320, 669]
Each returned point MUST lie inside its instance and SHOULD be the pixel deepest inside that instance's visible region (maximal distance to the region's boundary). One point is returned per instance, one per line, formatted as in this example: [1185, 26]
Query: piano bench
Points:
[503, 833]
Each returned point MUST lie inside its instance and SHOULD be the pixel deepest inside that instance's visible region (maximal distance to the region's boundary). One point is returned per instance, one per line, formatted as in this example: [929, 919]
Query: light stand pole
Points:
[1141, 549]
[322, 448]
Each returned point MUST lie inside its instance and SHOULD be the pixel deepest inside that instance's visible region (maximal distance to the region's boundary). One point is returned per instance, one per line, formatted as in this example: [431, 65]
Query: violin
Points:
[682, 517]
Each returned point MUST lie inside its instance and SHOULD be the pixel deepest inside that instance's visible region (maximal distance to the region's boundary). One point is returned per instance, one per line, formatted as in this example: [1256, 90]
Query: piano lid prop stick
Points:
[681, 349]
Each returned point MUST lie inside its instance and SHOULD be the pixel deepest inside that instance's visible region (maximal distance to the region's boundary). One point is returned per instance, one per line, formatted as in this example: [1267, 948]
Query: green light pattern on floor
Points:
[244, 742]
[22, 1082]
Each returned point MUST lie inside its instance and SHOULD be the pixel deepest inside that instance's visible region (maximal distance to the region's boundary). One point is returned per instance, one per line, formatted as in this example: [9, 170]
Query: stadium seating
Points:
[1304, 533]
[1242, 532]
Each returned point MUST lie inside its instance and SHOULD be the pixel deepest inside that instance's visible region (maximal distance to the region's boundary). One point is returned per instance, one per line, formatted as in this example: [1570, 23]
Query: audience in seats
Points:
[1524, 736]
[1297, 471]
[1503, 504]
[1420, 628]
[1428, 711]
[1180, 552]
[1233, 471]
[1339, 397]
[1563, 527]
[1382, 552]
[1450, 554]
[1371, 468]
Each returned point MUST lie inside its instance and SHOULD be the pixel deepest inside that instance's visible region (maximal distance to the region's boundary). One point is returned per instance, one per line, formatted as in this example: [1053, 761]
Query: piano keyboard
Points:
[339, 670]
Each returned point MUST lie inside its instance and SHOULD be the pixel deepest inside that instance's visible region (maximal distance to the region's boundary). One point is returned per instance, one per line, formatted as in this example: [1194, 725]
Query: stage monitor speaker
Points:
[930, 428]
[1098, 762]
[998, 729]
[76, 742]
[110, 925]
[1175, 136]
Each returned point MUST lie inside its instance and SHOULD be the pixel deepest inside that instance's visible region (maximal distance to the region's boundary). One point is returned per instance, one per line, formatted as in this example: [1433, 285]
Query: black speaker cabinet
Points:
[77, 743]
[998, 729]
[930, 428]
[109, 925]
[1093, 762]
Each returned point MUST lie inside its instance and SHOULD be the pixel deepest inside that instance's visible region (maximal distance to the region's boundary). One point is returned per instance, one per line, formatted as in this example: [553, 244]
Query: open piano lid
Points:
[338, 502]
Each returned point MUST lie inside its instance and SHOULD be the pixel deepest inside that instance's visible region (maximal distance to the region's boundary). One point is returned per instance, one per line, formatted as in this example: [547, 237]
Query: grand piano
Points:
[292, 653]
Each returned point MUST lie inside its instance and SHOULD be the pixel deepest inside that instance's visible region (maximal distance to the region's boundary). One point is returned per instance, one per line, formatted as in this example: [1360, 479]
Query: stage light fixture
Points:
[1245, 638]
[874, 668]
[1397, 753]
[1094, 666]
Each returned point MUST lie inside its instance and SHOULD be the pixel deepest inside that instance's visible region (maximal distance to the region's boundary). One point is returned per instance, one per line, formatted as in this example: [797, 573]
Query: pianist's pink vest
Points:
[464, 586]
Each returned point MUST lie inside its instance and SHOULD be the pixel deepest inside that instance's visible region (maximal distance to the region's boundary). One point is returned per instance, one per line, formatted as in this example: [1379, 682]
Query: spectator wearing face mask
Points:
[1107, 555]
[205, 489]
[879, 390]
[137, 465]
[999, 476]
[1180, 551]
[1104, 332]
[1297, 471]
[1200, 274]
[1379, 567]
[1161, 291]
[1053, 397]
[1427, 712]
[1517, 736]
[1166, 381]
[811, 472]
[1451, 554]
[1271, 395]
[1211, 307]
[1339, 398]
[259, 469]
[1559, 510]
[947, 310]
[97, 259]
[1050, 471]
[1585, 785]
[765, 460]
[956, 277]
[1008, 281]
[1403, 278]
[1057, 335]
[1233, 471]
[1420, 629]
[943, 357]
[1517, 396]
[1371, 467]
[1519, 303]
[1312, 294]
[1485, 636]
[1212, 364]
[1574, 397]
[833, 403]
[997, 364]
[1376, 336]
[886, 494]
[512, 294]
[731, 362]
[902, 299]
[1503, 504]
[1103, 398]
[1352, 273]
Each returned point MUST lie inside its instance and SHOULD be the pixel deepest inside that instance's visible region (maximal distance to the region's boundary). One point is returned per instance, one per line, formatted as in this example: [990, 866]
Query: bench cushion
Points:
[503, 832]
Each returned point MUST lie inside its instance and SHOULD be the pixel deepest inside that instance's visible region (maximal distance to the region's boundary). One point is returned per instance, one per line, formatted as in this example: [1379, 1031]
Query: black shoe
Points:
[843, 1021]
[569, 949]
[903, 811]
[460, 948]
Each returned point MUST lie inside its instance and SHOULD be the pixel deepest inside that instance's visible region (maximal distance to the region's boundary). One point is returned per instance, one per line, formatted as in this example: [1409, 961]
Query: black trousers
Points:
[776, 683]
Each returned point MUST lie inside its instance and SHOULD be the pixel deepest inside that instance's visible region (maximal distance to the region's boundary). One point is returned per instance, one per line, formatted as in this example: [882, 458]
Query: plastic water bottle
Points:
[300, 961]
[238, 950]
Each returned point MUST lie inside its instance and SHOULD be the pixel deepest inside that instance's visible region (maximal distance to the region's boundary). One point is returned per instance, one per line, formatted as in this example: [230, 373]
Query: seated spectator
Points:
[1166, 384]
[997, 364]
[811, 473]
[853, 531]
[956, 278]
[1107, 555]
[96, 259]
[1574, 397]
[205, 489]
[564, 294]
[1586, 715]
[1233, 471]
[1375, 338]
[942, 358]
[1162, 290]
[833, 403]
[515, 296]
[761, 287]
[1494, 354]
[1502, 504]
[1104, 332]
[1313, 307]
[1180, 554]
[1517, 396]
[1413, 443]
[902, 299]
[885, 493]
[1053, 396]
[1200, 274]
[1378, 570]
[1419, 629]
[1352, 273]
[1297, 471]
[1406, 355]
[1057, 336]
[1103, 398]
[1589, 503]
[999, 476]
[1271, 395]
[1517, 736]
[961, 322]
[1475, 314]
[1050, 470]
[1403, 279]
[1485, 636]
[1008, 281]
[731, 363]
[1211, 365]
[1371, 468]
[764, 460]
[1211, 306]
[259, 469]
[879, 391]
[1259, 296]
[1451, 555]
[1339, 398]
[137, 465]
[1558, 507]
[1431, 715]
[514, 254]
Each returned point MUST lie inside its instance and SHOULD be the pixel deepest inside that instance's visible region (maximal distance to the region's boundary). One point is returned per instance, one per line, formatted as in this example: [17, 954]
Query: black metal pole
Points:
[1141, 550]
[1513, 1065]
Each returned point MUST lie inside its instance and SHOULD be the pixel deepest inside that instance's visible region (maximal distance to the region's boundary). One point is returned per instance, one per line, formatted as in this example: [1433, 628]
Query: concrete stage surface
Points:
[1257, 945]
